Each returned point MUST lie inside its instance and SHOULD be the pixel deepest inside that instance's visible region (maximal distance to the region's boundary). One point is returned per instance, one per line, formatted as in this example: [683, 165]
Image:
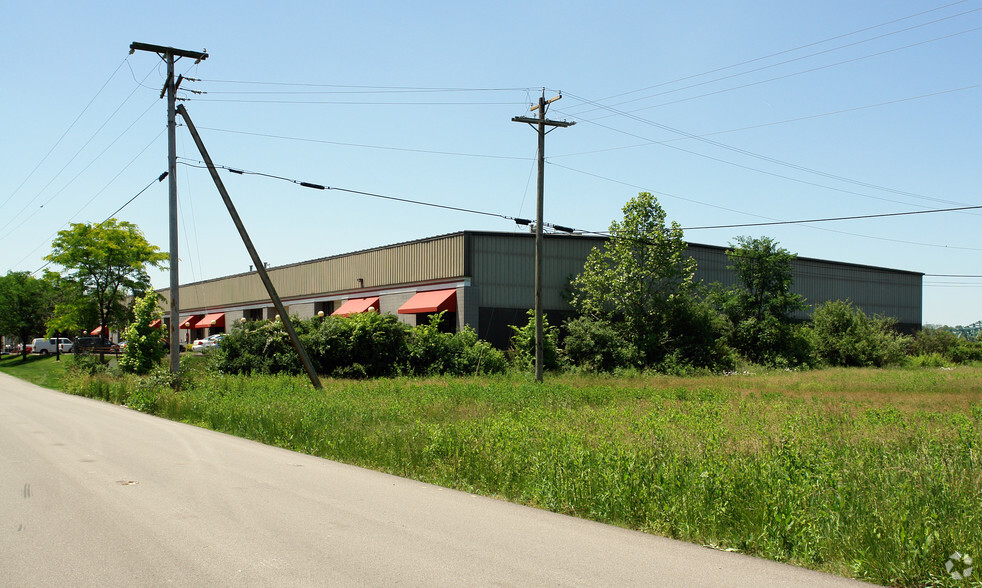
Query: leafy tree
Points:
[109, 260]
[144, 344]
[641, 282]
[761, 304]
[25, 305]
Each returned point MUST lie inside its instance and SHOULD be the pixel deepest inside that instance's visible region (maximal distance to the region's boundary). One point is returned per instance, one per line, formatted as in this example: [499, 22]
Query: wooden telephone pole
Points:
[540, 125]
[169, 54]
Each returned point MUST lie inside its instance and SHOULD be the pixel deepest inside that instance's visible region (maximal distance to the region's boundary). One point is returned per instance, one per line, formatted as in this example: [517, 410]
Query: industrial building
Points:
[485, 280]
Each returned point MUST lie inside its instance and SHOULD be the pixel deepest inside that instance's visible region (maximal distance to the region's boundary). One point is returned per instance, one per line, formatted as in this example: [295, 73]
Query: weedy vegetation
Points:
[869, 473]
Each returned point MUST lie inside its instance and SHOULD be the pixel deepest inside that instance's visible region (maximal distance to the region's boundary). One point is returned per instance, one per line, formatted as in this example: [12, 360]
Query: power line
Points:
[835, 219]
[763, 158]
[798, 48]
[128, 202]
[801, 58]
[814, 69]
[79, 152]
[780, 122]
[904, 242]
[364, 146]
[317, 186]
[63, 135]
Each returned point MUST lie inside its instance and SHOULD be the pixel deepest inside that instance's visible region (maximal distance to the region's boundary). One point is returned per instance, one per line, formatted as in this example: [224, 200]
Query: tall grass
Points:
[873, 474]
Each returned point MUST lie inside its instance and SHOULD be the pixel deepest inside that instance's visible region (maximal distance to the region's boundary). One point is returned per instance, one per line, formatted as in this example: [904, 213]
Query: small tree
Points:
[760, 306]
[144, 344]
[109, 260]
[641, 281]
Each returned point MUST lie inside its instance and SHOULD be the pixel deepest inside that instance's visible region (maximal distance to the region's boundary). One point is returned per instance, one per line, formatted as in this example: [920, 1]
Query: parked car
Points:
[207, 343]
[50, 345]
[95, 345]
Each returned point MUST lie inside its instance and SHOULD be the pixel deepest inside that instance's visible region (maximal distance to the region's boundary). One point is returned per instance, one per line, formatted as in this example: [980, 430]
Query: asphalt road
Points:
[93, 494]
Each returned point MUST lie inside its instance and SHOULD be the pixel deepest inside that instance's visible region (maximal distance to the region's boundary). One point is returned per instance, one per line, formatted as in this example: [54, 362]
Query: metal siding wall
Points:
[504, 268]
[420, 261]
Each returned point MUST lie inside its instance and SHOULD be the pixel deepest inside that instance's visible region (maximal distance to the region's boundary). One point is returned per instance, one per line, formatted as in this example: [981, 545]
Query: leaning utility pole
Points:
[247, 241]
[170, 87]
[540, 124]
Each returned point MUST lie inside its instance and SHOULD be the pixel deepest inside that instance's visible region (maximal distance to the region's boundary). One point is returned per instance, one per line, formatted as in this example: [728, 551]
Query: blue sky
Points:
[730, 112]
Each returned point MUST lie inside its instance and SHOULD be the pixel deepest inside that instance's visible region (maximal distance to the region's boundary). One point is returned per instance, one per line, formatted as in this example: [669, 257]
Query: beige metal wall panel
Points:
[406, 263]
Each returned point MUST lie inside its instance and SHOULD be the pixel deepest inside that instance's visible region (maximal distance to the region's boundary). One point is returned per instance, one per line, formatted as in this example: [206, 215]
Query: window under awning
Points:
[188, 322]
[215, 319]
[357, 305]
[432, 301]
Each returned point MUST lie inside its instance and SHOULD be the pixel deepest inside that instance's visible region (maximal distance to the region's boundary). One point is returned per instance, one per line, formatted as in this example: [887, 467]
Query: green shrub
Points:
[144, 344]
[946, 344]
[430, 351]
[522, 350]
[844, 336]
[596, 345]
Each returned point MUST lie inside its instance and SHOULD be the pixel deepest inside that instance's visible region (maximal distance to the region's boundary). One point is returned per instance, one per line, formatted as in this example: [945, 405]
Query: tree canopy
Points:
[642, 283]
[25, 306]
[109, 260]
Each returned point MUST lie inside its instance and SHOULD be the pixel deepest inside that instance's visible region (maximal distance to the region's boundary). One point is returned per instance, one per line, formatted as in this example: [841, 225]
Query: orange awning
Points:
[97, 330]
[156, 324]
[357, 305]
[432, 301]
[215, 319]
[188, 322]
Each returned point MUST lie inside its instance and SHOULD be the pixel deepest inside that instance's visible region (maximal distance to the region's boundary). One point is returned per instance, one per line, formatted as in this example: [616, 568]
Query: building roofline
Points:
[467, 233]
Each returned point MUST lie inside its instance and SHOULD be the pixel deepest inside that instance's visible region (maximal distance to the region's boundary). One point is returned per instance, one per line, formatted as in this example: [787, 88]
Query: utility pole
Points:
[540, 125]
[247, 241]
[169, 54]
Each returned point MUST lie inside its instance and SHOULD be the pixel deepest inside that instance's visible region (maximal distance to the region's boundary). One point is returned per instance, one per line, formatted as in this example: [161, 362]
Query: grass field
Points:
[873, 474]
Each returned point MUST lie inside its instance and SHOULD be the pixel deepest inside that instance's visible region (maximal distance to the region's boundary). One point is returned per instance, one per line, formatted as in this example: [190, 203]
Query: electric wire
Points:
[80, 172]
[77, 153]
[317, 186]
[900, 241]
[364, 146]
[810, 70]
[775, 123]
[783, 52]
[765, 158]
[159, 179]
[63, 135]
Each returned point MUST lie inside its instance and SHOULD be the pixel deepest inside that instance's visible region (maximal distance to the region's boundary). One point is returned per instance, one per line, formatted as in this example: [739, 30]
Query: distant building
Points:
[485, 280]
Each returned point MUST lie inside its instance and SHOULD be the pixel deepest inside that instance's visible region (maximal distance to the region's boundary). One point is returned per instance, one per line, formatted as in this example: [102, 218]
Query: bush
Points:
[366, 345]
[844, 336]
[522, 350]
[596, 345]
[144, 344]
[946, 344]
[432, 352]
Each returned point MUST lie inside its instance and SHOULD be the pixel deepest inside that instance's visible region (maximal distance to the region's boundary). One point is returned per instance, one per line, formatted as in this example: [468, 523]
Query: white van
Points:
[50, 345]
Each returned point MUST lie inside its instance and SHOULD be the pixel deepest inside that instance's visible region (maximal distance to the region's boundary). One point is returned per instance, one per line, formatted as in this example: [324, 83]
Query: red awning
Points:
[357, 305]
[156, 324]
[97, 330]
[215, 319]
[432, 301]
[189, 322]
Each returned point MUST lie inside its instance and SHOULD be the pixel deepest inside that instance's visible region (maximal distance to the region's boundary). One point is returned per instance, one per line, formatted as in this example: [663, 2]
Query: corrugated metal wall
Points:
[406, 263]
[501, 269]
[503, 264]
